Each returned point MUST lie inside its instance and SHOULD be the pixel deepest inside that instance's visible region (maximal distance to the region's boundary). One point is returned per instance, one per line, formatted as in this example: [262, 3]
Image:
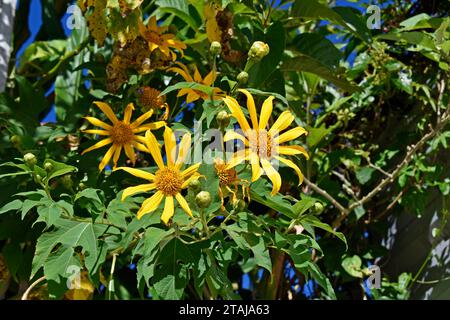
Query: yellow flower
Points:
[262, 145]
[121, 133]
[150, 99]
[158, 40]
[194, 95]
[228, 178]
[169, 180]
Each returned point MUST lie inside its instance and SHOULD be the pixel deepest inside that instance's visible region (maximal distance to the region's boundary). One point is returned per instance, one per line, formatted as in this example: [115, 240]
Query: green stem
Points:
[111, 278]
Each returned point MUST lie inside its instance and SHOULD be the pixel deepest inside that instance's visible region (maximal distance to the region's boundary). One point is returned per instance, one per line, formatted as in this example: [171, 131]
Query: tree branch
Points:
[394, 174]
[325, 194]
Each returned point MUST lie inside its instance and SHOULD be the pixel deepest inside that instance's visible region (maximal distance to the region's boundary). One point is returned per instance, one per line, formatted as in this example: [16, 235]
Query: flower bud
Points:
[318, 208]
[195, 185]
[223, 119]
[242, 77]
[48, 166]
[215, 48]
[203, 199]
[258, 50]
[81, 186]
[66, 181]
[240, 205]
[37, 178]
[15, 140]
[30, 160]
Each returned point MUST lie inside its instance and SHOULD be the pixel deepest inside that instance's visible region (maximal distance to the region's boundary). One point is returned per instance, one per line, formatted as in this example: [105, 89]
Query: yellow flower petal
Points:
[233, 135]
[129, 151]
[150, 126]
[197, 75]
[116, 156]
[251, 108]
[107, 157]
[184, 146]
[141, 119]
[293, 166]
[128, 113]
[98, 123]
[138, 173]
[153, 146]
[191, 170]
[292, 150]
[168, 210]
[99, 132]
[290, 135]
[137, 189]
[183, 204]
[99, 144]
[266, 112]
[186, 182]
[151, 204]
[107, 111]
[273, 175]
[236, 111]
[256, 169]
[284, 120]
[237, 158]
[170, 145]
[140, 147]
[210, 78]
[192, 96]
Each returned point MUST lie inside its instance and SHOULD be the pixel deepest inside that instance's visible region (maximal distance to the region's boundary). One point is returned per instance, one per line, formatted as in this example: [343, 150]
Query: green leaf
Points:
[315, 10]
[265, 93]
[305, 63]
[70, 234]
[303, 205]
[275, 38]
[58, 169]
[179, 9]
[364, 174]
[14, 205]
[352, 265]
[189, 85]
[316, 135]
[260, 250]
[171, 269]
[261, 192]
[314, 221]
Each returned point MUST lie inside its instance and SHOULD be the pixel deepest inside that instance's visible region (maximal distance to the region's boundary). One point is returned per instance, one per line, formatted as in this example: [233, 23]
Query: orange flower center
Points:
[168, 181]
[153, 37]
[226, 176]
[122, 133]
[149, 98]
[260, 142]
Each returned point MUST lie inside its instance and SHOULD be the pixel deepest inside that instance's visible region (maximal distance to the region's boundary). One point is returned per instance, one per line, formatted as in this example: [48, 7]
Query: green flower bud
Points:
[15, 140]
[203, 199]
[66, 181]
[215, 48]
[195, 185]
[240, 205]
[242, 77]
[48, 166]
[30, 160]
[223, 119]
[318, 208]
[81, 186]
[258, 50]
[37, 178]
